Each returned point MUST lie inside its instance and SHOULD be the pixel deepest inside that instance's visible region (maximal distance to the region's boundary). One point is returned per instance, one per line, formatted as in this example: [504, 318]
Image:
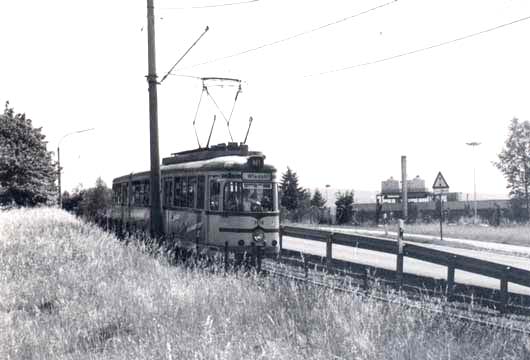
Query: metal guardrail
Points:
[505, 274]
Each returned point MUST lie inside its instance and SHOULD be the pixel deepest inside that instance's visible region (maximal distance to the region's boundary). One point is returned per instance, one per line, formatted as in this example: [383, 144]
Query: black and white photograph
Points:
[265, 179]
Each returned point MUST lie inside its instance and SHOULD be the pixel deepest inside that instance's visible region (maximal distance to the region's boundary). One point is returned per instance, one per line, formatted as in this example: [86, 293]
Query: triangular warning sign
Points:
[440, 182]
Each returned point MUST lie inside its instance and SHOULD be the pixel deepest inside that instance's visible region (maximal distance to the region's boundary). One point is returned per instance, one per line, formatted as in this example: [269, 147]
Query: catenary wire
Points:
[420, 49]
[208, 6]
[276, 42]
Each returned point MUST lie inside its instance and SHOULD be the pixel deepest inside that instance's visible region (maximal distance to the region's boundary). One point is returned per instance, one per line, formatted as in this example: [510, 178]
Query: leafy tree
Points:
[291, 193]
[72, 202]
[96, 200]
[344, 205]
[27, 172]
[318, 200]
[514, 161]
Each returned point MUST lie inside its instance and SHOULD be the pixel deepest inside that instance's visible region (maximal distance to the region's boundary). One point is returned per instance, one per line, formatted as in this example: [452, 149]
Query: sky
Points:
[74, 65]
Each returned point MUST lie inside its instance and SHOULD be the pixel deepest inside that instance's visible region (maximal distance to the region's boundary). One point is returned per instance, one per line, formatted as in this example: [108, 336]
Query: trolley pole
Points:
[156, 209]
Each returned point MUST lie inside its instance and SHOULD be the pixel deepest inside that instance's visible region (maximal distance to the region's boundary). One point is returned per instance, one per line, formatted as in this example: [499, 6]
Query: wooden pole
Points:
[329, 244]
[441, 216]
[404, 193]
[156, 208]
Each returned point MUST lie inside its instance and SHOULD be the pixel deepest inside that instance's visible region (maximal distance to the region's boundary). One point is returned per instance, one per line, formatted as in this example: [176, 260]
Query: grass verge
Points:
[70, 291]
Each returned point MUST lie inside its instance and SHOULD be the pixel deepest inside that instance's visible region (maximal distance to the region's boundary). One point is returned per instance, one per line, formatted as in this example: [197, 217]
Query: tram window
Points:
[215, 194]
[177, 193]
[258, 197]
[192, 185]
[184, 191]
[136, 189]
[232, 196]
[146, 193]
[124, 194]
[200, 192]
[168, 192]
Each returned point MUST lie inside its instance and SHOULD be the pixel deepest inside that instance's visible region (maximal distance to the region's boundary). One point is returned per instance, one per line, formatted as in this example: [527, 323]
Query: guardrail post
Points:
[306, 267]
[280, 244]
[503, 306]
[281, 239]
[226, 256]
[329, 244]
[399, 265]
[366, 275]
[450, 281]
[399, 253]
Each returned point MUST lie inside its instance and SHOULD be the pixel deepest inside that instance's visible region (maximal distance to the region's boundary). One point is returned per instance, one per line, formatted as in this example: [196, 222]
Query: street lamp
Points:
[329, 208]
[474, 144]
[59, 162]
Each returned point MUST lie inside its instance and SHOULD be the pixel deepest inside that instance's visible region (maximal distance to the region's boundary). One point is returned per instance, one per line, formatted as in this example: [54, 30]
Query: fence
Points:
[505, 274]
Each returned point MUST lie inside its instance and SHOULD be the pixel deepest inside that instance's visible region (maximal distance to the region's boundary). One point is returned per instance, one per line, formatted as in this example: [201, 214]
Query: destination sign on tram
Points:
[257, 176]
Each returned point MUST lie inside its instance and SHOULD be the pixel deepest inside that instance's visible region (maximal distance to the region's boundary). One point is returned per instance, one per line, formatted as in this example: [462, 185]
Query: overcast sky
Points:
[72, 65]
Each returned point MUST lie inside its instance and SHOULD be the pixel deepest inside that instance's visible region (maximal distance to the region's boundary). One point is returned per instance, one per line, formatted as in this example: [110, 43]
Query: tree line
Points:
[28, 172]
[297, 204]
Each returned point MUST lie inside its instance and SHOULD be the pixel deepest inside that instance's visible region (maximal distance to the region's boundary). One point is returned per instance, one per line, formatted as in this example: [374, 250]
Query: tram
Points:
[223, 195]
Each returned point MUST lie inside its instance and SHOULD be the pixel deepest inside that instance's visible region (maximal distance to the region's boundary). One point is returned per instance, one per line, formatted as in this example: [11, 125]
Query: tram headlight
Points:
[258, 235]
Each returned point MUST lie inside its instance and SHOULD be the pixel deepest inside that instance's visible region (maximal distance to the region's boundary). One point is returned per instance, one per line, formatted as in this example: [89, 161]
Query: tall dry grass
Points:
[70, 291]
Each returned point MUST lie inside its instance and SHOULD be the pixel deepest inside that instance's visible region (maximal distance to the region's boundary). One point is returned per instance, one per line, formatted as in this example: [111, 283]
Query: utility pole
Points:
[474, 144]
[404, 193]
[156, 208]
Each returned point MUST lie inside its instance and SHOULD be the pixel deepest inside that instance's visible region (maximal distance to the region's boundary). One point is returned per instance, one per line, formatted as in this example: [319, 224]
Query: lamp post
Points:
[329, 208]
[474, 144]
[59, 162]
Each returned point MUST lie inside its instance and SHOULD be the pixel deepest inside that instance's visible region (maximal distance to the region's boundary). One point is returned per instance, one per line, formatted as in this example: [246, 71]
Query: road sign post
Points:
[440, 187]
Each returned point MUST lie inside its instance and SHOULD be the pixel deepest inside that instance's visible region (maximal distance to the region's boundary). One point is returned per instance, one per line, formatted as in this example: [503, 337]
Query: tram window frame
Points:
[124, 193]
[192, 189]
[137, 193]
[146, 188]
[233, 187]
[168, 191]
[201, 182]
[214, 198]
[184, 190]
[176, 191]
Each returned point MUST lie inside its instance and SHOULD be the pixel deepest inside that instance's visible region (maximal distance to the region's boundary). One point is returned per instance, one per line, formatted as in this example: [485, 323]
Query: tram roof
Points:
[230, 162]
[221, 163]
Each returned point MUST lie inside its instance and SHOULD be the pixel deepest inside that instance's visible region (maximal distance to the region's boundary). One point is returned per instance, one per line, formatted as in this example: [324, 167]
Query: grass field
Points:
[505, 234]
[70, 291]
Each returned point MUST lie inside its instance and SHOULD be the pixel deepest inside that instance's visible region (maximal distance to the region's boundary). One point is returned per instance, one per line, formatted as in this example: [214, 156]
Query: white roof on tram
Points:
[218, 163]
[231, 162]
[226, 161]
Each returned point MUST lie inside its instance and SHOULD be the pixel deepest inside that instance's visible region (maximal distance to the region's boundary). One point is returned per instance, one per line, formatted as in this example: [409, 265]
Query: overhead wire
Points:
[276, 42]
[426, 48]
[208, 6]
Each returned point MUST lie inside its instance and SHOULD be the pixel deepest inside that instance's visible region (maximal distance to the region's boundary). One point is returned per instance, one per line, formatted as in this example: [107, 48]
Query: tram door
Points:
[124, 202]
[167, 200]
[213, 205]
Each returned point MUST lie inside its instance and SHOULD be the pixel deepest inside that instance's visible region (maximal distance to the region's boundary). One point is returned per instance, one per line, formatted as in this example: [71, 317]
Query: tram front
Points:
[244, 208]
